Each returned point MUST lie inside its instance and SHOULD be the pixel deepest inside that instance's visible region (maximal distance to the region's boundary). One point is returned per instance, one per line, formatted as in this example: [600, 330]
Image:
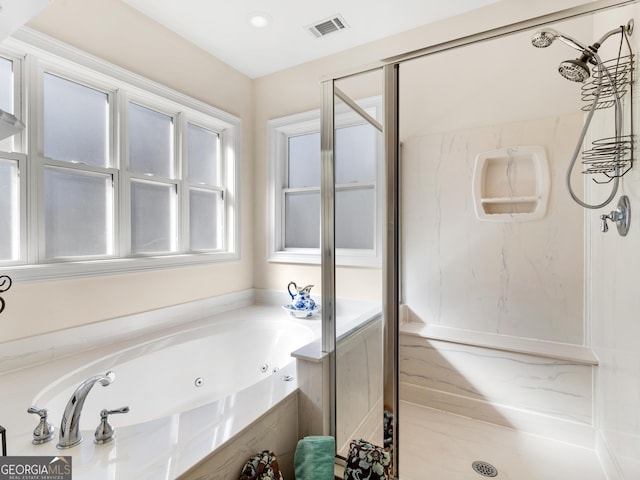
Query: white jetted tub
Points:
[189, 390]
[182, 371]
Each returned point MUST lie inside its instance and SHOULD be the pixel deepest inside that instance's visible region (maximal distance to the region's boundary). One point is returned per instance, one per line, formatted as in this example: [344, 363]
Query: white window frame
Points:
[17, 154]
[40, 162]
[38, 53]
[174, 175]
[278, 132]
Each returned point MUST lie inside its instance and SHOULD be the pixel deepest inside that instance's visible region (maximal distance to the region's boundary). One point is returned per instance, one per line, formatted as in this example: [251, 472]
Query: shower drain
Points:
[485, 469]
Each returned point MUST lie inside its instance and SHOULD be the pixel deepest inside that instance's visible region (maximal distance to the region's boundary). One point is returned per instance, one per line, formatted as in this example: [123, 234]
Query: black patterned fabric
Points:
[388, 431]
[367, 461]
[262, 466]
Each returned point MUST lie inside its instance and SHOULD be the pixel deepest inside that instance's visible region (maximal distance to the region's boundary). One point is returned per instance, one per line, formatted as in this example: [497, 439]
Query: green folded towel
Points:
[314, 458]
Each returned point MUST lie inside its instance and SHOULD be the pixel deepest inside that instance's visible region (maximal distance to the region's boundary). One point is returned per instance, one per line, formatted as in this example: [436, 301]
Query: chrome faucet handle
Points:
[621, 216]
[105, 431]
[604, 228]
[44, 430]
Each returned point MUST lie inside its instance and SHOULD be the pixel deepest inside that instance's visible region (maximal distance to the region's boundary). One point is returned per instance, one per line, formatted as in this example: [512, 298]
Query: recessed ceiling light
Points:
[260, 19]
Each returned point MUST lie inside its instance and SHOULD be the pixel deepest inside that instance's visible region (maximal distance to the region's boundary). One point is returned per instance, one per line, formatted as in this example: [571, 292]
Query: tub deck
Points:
[162, 448]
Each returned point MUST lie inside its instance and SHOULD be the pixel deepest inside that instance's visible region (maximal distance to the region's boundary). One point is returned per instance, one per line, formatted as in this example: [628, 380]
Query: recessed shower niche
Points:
[511, 184]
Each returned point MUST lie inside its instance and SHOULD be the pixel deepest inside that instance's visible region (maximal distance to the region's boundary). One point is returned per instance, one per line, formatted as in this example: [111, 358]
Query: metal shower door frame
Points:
[390, 299]
[391, 221]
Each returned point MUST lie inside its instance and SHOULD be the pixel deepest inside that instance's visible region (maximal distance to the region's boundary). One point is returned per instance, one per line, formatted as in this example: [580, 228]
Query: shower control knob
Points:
[621, 216]
[105, 431]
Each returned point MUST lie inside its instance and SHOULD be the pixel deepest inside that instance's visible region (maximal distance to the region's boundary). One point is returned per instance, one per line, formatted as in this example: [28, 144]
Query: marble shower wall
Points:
[612, 298]
[537, 394]
[521, 279]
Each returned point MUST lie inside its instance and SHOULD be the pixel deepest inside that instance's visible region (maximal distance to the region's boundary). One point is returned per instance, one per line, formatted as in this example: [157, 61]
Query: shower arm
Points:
[621, 29]
[591, 49]
[588, 53]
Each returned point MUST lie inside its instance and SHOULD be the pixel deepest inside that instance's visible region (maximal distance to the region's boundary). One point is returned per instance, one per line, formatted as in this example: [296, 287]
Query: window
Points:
[206, 192]
[119, 173]
[10, 97]
[9, 210]
[78, 182]
[75, 127]
[294, 157]
[153, 188]
[78, 213]
[12, 163]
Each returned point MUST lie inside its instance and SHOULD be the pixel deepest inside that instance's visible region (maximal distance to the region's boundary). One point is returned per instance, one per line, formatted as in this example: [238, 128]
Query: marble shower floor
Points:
[440, 446]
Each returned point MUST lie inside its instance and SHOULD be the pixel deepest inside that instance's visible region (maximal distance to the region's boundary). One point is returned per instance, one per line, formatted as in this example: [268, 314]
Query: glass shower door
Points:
[357, 161]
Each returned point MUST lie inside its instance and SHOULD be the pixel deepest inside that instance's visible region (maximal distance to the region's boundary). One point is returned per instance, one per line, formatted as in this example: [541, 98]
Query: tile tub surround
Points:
[359, 386]
[358, 377]
[40, 349]
[276, 428]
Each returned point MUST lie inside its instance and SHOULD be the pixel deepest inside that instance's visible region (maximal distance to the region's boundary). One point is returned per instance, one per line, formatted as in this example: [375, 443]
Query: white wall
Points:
[119, 34]
[298, 89]
[614, 304]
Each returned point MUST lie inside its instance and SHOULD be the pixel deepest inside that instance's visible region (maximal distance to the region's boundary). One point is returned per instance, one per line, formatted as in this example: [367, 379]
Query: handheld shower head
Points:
[543, 38]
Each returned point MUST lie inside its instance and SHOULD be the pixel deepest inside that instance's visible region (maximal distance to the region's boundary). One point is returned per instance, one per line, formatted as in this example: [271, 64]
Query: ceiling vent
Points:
[333, 24]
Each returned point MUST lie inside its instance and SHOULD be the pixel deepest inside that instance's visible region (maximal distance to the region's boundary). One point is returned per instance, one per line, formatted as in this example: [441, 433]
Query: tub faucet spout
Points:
[70, 435]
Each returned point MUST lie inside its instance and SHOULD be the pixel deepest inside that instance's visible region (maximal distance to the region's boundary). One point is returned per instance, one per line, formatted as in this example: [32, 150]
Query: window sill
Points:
[348, 258]
[93, 268]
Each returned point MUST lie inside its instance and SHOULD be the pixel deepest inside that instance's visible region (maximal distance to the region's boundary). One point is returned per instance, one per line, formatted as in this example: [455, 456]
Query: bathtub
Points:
[189, 390]
[181, 372]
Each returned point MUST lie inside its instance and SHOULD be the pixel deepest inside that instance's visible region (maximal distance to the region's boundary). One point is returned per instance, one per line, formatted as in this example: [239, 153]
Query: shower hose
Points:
[583, 133]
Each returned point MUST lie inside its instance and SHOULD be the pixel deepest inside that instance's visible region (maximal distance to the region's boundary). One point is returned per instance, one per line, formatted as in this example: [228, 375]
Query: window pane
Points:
[304, 160]
[204, 213]
[150, 141]
[78, 213]
[302, 222]
[202, 155]
[9, 210]
[355, 218]
[152, 217]
[75, 122]
[6, 85]
[6, 98]
[355, 154]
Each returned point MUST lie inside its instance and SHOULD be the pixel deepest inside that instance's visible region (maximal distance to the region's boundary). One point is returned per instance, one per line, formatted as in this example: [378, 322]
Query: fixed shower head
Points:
[575, 70]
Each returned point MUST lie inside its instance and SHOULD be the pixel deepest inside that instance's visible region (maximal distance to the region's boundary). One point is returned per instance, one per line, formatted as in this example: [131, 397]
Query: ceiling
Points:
[222, 27]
